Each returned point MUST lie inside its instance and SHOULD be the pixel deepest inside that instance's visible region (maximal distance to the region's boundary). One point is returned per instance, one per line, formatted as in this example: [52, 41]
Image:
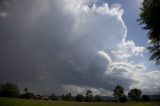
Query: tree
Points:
[28, 95]
[53, 97]
[118, 92]
[98, 98]
[146, 98]
[79, 98]
[67, 97]
[9, 90]
[25, 90]
[123, 99]
[150, 19]
[89, 96]
[134, 94]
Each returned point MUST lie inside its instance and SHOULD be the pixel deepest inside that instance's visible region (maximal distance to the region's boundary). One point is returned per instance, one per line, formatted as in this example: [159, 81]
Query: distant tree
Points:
[118, 92]
[29, 95]
[98, 98]
[89, 96]
[53, 97]
[9, 90]
[123, 99]
[25, 90]
[146, 98]
[150, 19]
[89, 93]
[134, 94]
[67, 97]
[79, 98]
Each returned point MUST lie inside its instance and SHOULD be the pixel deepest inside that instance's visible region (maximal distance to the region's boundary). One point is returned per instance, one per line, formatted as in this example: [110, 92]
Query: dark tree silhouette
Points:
[150, 19]
[146, 98]
[9, 90]
[134, 94]
[25, 90]
[98, 98]
[79, 98]
[118, 92]
[89, 96]
[53, 97]
[67, 97]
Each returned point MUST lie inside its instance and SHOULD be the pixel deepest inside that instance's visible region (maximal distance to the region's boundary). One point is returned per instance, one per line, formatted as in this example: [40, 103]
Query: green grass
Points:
[23, 102]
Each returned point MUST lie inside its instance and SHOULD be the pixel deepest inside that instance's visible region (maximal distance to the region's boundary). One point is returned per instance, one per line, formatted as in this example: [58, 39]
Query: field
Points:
[23, 102]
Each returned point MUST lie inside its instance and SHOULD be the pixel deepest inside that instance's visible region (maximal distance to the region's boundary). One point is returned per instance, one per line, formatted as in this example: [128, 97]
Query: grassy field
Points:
[23, 102]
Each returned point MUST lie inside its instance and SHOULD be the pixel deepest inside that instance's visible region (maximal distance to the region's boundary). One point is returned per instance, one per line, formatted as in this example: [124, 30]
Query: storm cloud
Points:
[55, 45]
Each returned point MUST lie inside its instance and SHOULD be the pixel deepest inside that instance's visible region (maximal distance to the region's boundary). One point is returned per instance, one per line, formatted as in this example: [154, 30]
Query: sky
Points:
[69, 46]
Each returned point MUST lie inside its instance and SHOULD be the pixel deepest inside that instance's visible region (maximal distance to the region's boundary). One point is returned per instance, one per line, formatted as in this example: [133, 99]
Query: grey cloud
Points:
[45, 46]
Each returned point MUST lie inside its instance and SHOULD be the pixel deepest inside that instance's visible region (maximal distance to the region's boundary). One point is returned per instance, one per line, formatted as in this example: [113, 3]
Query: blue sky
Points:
[131, 14]
[134, 30]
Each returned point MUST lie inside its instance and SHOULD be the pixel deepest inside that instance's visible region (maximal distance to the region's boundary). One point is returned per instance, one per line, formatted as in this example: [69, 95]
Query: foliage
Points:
[123, 99]
[97, 98]
[79, 98]
[89, 96]
[25, 90]
[134, 94]
[146, 98]
[150, 19]
[118, 92]
[28, 95]
[9, 90]
[53, 97]
[67, 97]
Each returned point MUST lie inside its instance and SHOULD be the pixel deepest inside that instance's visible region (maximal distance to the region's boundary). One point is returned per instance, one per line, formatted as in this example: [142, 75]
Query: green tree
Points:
[118, 92]
[150, 19]
[9, 90]
[134, 94]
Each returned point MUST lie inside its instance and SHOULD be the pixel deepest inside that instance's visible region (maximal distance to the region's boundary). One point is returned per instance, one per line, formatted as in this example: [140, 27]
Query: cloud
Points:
[49, 44]
[82, 90]
[128, 49]
[105, 55]
[3, 14]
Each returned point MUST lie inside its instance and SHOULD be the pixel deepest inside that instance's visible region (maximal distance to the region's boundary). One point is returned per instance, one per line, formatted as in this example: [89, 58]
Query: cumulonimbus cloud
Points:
[53, 44]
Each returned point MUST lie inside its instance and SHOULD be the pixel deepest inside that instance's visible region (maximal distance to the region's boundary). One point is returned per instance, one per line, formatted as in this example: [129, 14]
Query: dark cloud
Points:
[45, 44]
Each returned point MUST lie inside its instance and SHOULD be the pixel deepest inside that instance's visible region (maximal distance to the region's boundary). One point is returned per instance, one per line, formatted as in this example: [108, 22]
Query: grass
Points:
[23, 102]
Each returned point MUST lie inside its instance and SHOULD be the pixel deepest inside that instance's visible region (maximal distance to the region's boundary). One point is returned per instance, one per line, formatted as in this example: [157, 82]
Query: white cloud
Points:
[128, 49]
[106, 56]
[82, 90]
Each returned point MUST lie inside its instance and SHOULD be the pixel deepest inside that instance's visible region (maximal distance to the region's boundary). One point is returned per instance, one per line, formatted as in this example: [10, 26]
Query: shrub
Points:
[9, 90]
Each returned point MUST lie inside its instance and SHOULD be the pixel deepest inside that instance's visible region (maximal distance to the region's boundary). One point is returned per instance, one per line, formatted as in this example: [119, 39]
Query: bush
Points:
[79, 98]
[146, 98]
[97, 98]
[9, 90]
[28, 95]
[123, 99]
[53, 97]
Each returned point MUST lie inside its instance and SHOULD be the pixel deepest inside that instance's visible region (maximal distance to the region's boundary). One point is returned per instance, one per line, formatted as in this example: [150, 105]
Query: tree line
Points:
[12, 90]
